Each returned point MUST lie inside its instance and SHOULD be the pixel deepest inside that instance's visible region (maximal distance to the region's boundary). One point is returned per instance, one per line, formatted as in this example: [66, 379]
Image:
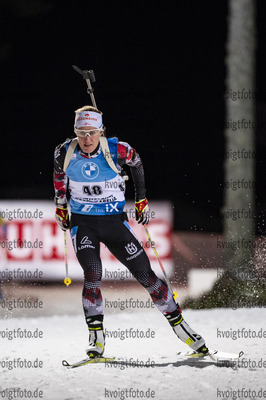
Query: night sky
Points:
[160, 76]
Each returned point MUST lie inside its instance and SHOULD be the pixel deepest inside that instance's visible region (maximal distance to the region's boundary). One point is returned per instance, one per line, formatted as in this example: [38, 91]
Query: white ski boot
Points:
[185, 333]
[96, 337]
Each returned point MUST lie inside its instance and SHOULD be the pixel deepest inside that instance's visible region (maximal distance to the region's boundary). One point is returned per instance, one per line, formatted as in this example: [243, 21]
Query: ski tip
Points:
[65, 363]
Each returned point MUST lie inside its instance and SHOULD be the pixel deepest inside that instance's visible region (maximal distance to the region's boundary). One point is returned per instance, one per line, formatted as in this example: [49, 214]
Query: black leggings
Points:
[87, 232]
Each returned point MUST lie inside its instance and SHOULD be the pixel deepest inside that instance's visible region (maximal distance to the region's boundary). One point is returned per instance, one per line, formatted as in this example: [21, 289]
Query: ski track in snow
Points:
[65, 337]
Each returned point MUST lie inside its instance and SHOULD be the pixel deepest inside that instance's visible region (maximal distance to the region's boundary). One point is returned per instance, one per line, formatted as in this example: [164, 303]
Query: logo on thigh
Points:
[85, 240]
[86, 243]
[131, 248]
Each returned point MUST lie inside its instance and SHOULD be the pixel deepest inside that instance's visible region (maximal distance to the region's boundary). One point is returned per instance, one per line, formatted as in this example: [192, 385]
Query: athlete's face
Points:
[89, 143]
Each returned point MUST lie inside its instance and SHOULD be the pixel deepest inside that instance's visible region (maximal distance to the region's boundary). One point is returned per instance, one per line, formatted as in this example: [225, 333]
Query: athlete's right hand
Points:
[142, 211]
[62, 217]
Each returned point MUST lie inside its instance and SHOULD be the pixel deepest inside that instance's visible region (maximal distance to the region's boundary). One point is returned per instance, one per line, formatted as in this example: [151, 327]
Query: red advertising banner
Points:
[31, 242]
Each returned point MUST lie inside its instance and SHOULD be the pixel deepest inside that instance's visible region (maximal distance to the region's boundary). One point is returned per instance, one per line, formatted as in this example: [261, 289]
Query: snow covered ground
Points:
[163, 377]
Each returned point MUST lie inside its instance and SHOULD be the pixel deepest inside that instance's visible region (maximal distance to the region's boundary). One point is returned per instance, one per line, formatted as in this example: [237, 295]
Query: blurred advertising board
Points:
[32, 245]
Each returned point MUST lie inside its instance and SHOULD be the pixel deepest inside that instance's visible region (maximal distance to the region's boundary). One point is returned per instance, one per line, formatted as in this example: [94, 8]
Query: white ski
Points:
[88, 361]
[218, 355]
[215, 355]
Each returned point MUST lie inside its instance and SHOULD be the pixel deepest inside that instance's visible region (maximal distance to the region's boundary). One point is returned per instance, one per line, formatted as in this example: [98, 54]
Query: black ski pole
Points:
[89, 76]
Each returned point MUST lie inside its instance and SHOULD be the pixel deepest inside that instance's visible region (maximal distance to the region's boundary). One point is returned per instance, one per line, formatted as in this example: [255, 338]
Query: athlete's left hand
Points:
[142, 211]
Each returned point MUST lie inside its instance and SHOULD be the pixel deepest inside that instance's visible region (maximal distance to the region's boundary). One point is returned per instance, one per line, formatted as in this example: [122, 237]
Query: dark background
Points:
[160, 76]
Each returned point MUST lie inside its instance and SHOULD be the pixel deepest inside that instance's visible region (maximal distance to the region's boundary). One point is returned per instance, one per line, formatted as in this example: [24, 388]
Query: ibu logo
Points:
[90, 170]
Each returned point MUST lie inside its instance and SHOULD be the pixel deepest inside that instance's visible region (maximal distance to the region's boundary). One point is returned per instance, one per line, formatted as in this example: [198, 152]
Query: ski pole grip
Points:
[86, 74]
[77, 69]
[89, 77]
[92, 75]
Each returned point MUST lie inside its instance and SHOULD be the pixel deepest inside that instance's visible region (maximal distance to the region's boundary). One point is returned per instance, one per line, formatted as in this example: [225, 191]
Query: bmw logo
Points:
[90, 170]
